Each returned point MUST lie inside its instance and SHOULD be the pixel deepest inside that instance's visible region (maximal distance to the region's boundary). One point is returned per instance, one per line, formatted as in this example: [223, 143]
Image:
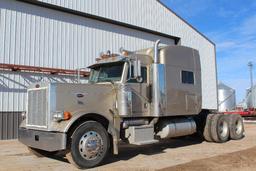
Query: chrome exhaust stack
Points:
[158, 84]
[156, 58]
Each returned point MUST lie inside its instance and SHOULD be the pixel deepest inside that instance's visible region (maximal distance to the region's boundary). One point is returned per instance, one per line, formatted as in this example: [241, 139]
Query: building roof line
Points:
[169, 9]
[99, 18]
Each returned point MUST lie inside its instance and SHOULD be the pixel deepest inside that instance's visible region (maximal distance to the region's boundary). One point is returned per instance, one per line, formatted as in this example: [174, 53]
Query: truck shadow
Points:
[127, 152]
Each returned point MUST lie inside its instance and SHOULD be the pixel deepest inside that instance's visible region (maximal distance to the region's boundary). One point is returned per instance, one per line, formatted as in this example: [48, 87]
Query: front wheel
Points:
[89, 145]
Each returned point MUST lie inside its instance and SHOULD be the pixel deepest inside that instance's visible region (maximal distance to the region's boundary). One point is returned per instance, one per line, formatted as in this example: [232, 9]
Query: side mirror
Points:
[135, 70]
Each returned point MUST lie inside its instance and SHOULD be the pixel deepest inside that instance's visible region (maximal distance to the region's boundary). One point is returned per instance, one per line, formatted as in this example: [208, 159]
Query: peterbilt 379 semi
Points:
[136, 97]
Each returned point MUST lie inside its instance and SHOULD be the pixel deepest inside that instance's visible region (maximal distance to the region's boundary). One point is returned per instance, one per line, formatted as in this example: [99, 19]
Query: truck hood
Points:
[89, 98]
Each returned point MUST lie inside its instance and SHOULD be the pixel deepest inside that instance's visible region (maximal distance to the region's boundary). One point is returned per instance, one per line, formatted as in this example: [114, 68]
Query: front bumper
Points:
[48, 141]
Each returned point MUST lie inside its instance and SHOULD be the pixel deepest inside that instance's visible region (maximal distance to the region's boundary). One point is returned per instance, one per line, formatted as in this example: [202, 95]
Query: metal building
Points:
[70, 34]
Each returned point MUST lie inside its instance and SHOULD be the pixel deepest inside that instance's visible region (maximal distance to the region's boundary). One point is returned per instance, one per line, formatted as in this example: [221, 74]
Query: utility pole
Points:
[250, 65]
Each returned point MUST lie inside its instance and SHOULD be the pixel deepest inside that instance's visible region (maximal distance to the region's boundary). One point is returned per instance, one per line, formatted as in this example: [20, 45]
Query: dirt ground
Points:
[187, 153]
[241, 160]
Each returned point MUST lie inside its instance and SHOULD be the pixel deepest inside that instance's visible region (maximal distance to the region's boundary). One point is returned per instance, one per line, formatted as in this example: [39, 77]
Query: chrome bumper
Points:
[48, 141]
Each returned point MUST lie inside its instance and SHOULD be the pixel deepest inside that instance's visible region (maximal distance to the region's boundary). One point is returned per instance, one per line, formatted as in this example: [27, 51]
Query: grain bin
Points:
[251, 97]
[226, 97]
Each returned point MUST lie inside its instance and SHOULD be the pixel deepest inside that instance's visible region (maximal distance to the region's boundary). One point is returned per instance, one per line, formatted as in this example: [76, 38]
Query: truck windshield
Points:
[107, 73]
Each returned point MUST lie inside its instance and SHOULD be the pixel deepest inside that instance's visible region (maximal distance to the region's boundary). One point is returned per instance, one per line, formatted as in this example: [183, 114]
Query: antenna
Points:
[250, 65]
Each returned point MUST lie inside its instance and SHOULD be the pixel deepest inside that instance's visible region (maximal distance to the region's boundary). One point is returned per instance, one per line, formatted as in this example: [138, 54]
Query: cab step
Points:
[140, 135]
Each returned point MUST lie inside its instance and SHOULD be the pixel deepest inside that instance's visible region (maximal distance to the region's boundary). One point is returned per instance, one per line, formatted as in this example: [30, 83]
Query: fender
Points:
[80, 114]
[113, 126]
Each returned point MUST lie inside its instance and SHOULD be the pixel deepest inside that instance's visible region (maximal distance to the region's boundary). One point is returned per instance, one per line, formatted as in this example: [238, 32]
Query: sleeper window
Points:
[187, 77]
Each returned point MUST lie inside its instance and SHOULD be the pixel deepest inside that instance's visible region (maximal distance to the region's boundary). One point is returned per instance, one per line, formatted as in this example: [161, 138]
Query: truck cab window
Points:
[187, 77]
[107, 72]
[143, 75]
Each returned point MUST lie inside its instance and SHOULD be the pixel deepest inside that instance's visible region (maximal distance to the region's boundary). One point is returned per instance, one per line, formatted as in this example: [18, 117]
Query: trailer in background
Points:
[243, 113]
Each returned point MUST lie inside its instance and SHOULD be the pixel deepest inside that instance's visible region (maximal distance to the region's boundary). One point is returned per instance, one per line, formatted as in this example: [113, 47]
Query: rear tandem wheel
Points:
[220, 128]
[236, 127]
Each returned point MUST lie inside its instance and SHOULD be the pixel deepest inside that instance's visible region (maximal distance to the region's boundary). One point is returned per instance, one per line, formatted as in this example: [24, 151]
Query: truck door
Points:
[140, 97]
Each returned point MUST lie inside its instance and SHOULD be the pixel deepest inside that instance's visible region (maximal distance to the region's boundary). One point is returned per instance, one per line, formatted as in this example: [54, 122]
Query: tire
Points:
[207, 128]
[40, 153]
[220, 128]
[236, 127]
[79, 154]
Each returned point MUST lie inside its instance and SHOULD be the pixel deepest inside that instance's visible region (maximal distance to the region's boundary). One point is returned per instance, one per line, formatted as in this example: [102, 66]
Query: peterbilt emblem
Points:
[79, 95]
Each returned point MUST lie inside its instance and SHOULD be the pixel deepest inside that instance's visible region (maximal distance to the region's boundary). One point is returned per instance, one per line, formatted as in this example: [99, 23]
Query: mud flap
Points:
[114, 130]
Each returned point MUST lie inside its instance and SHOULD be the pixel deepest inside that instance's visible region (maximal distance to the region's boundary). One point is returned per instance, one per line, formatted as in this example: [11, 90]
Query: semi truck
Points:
[139, 98]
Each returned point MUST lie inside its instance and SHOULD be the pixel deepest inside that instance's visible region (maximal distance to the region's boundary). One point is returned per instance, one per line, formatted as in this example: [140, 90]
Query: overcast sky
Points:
[231, 25]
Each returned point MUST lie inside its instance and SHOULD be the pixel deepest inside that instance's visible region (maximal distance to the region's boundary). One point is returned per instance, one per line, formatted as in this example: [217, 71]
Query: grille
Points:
[37, 108]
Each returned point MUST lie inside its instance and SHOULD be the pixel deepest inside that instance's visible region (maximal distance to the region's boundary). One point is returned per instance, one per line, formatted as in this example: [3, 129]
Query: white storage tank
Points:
[226, 98]
[251, 98]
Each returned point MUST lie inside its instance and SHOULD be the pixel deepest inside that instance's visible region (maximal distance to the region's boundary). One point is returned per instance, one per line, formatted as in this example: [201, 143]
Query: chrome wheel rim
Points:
[91, 145]
[223, 129]
[239, 127]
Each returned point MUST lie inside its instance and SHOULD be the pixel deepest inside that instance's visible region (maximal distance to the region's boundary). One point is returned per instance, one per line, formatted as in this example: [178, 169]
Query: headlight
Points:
[23, 115]
[61, 116]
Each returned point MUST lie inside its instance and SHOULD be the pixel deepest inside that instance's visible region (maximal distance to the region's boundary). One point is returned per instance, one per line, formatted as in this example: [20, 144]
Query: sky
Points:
[231, 25]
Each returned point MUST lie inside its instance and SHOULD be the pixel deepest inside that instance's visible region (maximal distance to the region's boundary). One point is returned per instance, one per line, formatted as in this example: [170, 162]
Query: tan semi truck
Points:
[137, 97]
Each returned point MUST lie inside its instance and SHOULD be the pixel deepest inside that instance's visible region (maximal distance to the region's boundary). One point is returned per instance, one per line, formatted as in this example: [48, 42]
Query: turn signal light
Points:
[59, 116]
[66, 115]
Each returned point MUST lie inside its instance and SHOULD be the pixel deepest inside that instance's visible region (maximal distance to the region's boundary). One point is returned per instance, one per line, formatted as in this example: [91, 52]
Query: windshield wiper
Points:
[102, 79]
[109, 80]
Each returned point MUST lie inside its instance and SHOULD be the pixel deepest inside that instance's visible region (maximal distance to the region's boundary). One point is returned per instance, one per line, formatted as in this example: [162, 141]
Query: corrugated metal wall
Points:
[32, 35]
[14, 98]
[153, 15]
[9, 122]
[13, 87]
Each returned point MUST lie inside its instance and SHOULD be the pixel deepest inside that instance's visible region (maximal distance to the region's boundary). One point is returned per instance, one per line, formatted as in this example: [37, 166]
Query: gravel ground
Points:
[242, 160]
[176, 154]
